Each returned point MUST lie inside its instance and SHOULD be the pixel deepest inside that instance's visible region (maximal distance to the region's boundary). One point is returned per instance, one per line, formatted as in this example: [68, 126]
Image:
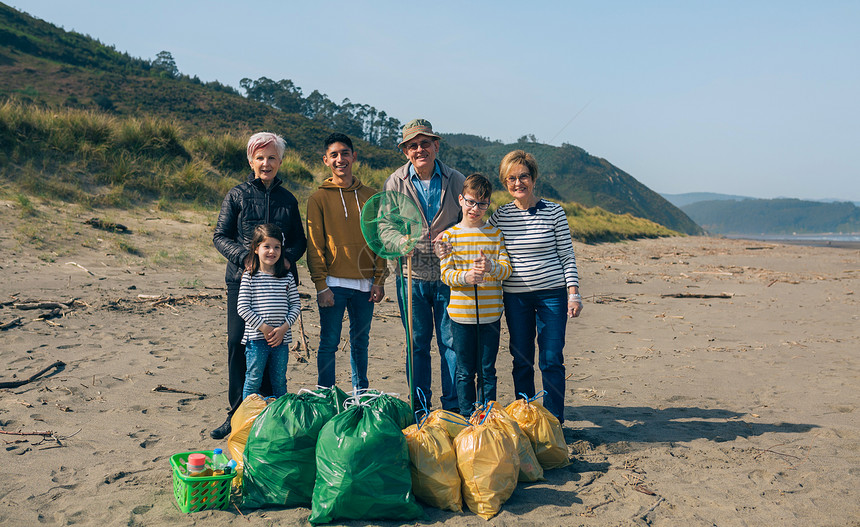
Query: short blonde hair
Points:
[514, 158]
[264, 139]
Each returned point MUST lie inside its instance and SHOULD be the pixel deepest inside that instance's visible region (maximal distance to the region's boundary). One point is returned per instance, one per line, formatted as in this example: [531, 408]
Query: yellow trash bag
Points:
[433, 464]
[530, 467]
[543, 430]
[451, 422]
[489, 465]
[240, 426]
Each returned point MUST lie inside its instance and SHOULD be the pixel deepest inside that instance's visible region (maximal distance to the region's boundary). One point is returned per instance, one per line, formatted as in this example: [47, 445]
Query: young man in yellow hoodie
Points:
[347, 274]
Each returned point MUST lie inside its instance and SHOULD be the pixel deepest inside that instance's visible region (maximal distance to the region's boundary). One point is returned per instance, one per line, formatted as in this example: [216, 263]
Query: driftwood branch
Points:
[79, 266]
[301, 344]
[161, 300]
[39, 305]
[12, 323]
[163, 388]
[14, 384]
[698, 295]
[43, 434]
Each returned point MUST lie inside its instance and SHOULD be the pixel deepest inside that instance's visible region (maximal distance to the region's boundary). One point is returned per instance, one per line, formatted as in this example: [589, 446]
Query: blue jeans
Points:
[430, 309]
[466, 339]
[258, 356]
[360, 309]
[544, 312]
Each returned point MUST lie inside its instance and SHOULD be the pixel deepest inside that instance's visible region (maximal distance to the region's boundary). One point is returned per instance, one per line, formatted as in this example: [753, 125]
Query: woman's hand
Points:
[574, 308]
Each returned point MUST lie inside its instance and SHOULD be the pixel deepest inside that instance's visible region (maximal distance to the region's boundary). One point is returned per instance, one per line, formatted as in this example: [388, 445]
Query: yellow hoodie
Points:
[336, 246]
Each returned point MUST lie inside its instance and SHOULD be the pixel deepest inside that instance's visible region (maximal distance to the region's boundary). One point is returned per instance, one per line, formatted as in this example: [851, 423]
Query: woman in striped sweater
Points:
[543, 289]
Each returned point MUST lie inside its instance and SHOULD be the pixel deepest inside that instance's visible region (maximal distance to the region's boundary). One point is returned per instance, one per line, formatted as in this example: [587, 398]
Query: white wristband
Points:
[574, 297]
[323, 291]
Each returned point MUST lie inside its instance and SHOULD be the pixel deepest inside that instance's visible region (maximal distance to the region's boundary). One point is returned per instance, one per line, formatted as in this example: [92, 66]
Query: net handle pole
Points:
[479, 354]
[409, 349]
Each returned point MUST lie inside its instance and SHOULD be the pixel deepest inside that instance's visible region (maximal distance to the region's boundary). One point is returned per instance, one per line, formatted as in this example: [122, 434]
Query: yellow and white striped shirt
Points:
[467, 244]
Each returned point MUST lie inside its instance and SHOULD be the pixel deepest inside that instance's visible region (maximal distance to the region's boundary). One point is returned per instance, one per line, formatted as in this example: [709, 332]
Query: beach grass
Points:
[101, 161]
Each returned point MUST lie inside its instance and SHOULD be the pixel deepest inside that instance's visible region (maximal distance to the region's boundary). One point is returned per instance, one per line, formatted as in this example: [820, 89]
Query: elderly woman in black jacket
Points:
[260, 199]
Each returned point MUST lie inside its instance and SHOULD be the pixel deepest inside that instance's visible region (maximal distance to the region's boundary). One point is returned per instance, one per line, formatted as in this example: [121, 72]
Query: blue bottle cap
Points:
[217, 451]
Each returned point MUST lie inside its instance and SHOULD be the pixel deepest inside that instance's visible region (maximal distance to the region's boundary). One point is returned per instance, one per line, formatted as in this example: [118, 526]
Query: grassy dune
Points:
[97, 160]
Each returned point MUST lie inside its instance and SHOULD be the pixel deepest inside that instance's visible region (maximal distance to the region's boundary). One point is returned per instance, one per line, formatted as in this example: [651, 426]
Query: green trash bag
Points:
[280, 455]
[335, 396]
[363, 469]
[395, 408]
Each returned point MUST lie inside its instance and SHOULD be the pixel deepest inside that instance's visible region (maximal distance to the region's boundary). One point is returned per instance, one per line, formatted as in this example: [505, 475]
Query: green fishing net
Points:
[391, 224]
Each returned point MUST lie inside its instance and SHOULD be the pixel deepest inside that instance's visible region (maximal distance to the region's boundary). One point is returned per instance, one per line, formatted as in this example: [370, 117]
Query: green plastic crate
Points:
[199, 493]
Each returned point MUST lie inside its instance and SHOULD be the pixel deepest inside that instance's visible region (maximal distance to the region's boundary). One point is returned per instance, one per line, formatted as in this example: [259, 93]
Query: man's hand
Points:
[377, 293]
[441, 248]
[325, 298]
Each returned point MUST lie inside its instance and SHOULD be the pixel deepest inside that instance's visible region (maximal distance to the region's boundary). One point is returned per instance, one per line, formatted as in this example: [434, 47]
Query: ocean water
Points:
[828, 238]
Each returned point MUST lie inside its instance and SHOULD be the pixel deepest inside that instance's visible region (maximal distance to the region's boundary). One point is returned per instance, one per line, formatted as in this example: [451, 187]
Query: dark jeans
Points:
[236, 353]
[430, 309]
[466, 339]
[360, 309]
[545, 313]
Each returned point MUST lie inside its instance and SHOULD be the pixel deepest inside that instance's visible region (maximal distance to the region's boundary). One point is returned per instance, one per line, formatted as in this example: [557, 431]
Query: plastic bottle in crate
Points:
[197, 466]
[219, 462]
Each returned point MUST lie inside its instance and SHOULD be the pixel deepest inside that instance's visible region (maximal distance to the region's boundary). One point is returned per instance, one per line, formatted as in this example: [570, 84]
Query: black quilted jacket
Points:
[250, 204]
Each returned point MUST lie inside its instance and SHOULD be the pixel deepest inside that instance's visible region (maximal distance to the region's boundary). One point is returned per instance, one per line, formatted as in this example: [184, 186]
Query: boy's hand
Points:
[474, 277]
[480, 263]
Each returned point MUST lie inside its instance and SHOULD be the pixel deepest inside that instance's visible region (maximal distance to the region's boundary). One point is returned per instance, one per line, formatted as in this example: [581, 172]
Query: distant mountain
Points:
[774, 216]
[45, 66]
[680, 200]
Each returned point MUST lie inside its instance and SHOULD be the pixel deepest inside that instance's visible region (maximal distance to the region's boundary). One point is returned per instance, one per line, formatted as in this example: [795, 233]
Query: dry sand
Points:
[738, 409]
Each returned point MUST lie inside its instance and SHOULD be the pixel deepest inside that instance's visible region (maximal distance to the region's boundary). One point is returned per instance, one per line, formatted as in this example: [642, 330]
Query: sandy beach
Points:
[710, 381]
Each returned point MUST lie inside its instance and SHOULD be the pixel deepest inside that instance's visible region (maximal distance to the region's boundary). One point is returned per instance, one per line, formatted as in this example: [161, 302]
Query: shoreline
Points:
[839, 244]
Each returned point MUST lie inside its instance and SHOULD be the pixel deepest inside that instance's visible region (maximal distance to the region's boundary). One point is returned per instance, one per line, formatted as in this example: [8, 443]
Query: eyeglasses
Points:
[522, 179]
[425, 145]
[482, 205]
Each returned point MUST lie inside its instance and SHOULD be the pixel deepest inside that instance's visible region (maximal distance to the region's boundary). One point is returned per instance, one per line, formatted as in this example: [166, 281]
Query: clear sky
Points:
[757, 98]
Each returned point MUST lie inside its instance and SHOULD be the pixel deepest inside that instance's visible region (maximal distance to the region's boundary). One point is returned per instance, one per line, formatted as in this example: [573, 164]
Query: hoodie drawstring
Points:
[345, 212]
[343, 202]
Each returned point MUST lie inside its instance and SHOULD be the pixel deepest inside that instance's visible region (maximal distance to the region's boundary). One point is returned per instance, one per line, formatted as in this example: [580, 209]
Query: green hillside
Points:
[774, 216]
[569, 173]
[97, 126]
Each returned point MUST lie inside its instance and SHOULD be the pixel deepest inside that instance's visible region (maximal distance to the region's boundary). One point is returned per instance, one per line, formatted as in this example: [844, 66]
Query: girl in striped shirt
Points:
[474, 269]
[269, 304]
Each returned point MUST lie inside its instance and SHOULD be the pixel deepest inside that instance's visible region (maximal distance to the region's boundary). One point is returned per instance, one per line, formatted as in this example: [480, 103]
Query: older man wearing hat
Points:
[435, 188]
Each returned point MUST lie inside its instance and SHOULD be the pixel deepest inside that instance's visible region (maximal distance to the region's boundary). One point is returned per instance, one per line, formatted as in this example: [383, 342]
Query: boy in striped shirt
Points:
[474, 270]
